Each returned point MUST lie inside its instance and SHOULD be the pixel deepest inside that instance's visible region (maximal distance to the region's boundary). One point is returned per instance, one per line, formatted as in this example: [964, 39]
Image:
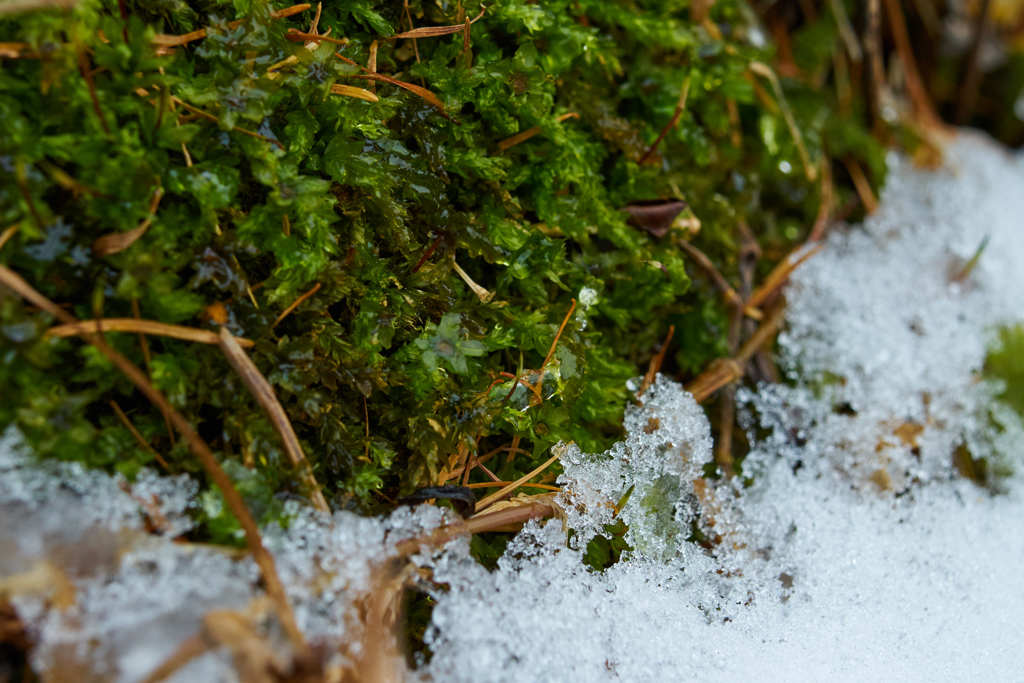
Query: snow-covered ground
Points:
[854, 553]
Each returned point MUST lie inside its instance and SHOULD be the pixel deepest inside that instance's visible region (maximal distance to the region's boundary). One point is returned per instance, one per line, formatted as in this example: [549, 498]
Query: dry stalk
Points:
[483, 503]
[486, 522]
[141, 440]
[153, 327]
[766, 72]
[295, 304]
[655, 365]
[265, 561]
[518, 138]
[119, 241]
[261, 390]
[166, 41]
[684, 92]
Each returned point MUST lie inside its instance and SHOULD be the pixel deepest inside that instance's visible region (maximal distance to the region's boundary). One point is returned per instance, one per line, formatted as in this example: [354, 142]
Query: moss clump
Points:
[442, 254]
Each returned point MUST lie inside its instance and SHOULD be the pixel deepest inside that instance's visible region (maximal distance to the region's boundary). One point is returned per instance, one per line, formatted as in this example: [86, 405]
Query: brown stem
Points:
[265, 561]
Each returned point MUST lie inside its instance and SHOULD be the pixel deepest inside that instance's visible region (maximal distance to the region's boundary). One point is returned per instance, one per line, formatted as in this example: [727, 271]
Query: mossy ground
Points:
[436, 205]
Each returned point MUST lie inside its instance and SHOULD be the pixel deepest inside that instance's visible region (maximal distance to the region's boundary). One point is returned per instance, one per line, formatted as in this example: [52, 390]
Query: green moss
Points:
[394, 364]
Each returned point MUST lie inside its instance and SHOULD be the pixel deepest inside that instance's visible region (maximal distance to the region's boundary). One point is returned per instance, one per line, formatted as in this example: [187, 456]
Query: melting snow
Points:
[855, 553]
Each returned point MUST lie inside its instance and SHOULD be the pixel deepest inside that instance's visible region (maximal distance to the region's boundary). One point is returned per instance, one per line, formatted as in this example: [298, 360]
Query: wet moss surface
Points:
[433, 239]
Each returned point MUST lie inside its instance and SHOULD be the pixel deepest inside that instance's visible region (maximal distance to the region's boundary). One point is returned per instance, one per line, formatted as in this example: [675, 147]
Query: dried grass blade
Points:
[189, 649]
[435, 31]
[655, 365]
[168, 40]
[12, 6]
[766, 71]
[264, 395]
[265, 561]
[430, 97]
[153, 327]
[483, 503]
[141, 440]
[352, 91]
[119, 241]
[684, 93]
[476, 525]
[518, 138]
[8, 234]
[295, 304]
[782, 271]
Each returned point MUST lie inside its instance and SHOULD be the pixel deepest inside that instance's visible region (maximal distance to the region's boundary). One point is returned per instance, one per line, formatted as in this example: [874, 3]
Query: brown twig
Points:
[148, 361]
[972, 75]
[723, 371]
[821, 221]
[153, 327]
[551, 353]
[918, 93]
[766, 72]
[83, 66]
[7, 234]
[861, 184]
[476, 525]
[434, 31]
[165, 40]
[717, 278]
[518, 138]
[485, 502]
[210, 117]
[261, 390]
[780, 274]
[684, 92]
[265, 561]
[655, 365]
[138, 437]
[295, 304]
[119, 241]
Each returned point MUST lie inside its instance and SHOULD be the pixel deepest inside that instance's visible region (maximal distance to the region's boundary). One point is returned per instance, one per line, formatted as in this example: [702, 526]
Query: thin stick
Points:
[265, 561]
[8, 234]
[918, 94]
[189, 649]
[551, 351]
[656, 361]
[165, 40]
[138, 437]
[723, 371]
[153, 327]
[684, 92]
[295, 304]
[210, 117]
[518, 138]
[873, 46]
[119, 241]
[972, 77]
[20, 178]
[846, 32]
[482, 293]
[505, 490]
[780, 274]
[861, 184]
[83, 66]
[148, 361]
[766, 71]
[824, 216]
[716, 276]
[261, 390]
[492, 484]
[476, 525]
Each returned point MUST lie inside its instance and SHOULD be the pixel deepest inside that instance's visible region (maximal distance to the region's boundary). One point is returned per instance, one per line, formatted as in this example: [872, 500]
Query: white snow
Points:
[854, 553]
